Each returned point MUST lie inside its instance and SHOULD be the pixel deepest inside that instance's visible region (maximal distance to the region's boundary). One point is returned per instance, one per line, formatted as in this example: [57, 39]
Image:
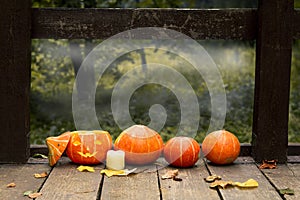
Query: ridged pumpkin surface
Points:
[182, 151]
[89, 147]
[141, 144]
[221, 147]
[56, 147]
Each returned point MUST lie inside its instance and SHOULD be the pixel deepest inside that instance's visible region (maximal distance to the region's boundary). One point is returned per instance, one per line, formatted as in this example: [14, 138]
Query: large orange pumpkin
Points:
[141, 145]
[89, 147]
[182, 151]
[221, 147]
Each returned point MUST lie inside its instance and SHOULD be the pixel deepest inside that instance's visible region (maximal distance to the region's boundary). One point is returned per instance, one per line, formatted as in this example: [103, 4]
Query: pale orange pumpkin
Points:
[141, 145]
[89, 147]
[221, 147]
[182, 151]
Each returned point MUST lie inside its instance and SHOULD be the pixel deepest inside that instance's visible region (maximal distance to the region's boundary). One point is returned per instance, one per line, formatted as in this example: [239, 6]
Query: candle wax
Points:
[115, 160]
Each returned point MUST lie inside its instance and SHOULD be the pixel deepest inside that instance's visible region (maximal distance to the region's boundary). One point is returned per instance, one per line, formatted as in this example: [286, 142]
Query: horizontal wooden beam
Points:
[66, 23]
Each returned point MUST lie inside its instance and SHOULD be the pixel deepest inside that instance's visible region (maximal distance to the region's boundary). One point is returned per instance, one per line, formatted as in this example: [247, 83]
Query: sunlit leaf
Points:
[41, 175]
[110, 172]
[287, 191]
[26, 193]
[212, 178]
[38, 155]
[82, 168]
[268, 164]
[10, 185]
[170, 174]
[34, 195]
[222, 184]
[248, 184]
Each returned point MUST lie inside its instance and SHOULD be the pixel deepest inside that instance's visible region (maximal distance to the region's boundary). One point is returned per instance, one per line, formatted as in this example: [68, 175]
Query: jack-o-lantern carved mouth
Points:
[87, 155]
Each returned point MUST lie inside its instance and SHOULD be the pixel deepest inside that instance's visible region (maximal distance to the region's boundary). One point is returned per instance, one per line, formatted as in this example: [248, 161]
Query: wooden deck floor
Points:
[66, 182]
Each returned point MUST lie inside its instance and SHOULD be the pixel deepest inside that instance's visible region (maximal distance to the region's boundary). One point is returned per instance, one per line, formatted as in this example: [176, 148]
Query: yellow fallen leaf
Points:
[212, 178]
[110, 172]
[41, 175]
[248, 184]
[170, 174]
[34, 195]
[82, 168]
[222, 184]
[10, 185]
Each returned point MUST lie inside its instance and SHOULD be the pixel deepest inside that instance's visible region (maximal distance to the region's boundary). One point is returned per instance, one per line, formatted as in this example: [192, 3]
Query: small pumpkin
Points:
[141, 144]
[182, 151]
[89, 147]
[56, 146]
[221, 147]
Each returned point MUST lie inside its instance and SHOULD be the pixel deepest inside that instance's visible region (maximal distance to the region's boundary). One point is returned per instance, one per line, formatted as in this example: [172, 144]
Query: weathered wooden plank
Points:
[241, 173]
[192, 185]
[143, 185]
[285, 176]
[272, 80]
[66, 182]
[15, 46]
[103, 23]
[23, 177]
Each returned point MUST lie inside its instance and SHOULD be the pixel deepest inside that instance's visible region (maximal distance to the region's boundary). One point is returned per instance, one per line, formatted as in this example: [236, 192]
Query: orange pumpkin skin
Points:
[221, 147]
[141, 145]
[182, 151]
[89, 147]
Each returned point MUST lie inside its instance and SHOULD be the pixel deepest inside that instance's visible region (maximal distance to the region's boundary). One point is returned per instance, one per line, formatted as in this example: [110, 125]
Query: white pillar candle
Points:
[115, 160]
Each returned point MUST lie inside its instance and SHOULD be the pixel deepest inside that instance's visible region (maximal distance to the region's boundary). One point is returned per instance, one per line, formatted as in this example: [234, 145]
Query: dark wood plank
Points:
[103, 23]
[15, 46]
[192, 185]
[296, 24]
[66, 182]
[285, 176]
[142, 185]
[272, 80]
[242, 172]
[23, 177]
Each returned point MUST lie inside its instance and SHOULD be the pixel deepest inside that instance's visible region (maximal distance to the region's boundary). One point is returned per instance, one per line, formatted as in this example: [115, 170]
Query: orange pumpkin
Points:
[221, 147]
[57, 146]
[182, 151]
[89, 147]
[141, 145]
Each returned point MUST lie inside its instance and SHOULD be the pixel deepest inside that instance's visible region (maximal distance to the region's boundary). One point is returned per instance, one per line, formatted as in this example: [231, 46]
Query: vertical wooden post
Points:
[15, 48]
[272, 80]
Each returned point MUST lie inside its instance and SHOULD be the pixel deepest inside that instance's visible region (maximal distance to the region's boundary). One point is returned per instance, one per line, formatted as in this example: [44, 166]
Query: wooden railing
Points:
[274, 25]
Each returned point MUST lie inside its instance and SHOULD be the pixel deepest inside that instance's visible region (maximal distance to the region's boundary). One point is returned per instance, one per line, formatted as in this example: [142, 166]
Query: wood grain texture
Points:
[192, 185]
[15, 47]
[241, 173]
[23, 177]
[143, 185]
[66, 182]
[103, 23]
[272, 80]
[285, 176]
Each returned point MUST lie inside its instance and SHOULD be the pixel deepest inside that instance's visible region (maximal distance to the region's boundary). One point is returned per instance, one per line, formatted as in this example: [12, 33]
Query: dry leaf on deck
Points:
[212, 178]
[41, 175]
[34, 195]
[26, 193]
[222, 184]
[170, 174]
[110, 172]
[268, 164]
[248, 184]
[287, 191]
[10, 185]
[82, 168]
[39, 155]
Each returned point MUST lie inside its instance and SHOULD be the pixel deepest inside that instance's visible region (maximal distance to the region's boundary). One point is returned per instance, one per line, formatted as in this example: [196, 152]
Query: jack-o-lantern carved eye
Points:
[89, 147]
